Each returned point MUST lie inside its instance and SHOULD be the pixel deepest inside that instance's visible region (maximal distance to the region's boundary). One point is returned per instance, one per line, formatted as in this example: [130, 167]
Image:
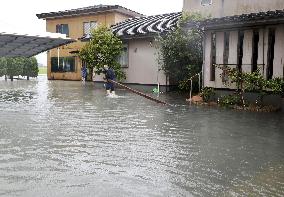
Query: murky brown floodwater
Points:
[59, 138]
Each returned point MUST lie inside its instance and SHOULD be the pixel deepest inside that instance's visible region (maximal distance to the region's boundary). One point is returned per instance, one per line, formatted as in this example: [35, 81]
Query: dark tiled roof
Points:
[15, 45]
[89, 10]
[145, 26]
[243, 20]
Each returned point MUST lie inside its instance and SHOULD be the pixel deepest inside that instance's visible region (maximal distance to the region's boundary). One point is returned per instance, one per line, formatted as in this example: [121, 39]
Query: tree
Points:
[180, 52]
[18, 66]
[3, 67]
[14, 67]
[104, 48]
[30, 67]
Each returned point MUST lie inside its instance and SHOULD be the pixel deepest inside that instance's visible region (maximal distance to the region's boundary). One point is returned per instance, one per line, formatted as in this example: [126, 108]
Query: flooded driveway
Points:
[60, 138]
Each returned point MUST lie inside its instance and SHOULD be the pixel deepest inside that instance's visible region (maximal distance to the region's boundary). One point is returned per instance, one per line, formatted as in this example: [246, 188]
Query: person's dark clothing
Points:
[109, 75]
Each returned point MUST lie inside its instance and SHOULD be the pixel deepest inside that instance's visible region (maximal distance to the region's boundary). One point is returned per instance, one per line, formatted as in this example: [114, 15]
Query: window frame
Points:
[206, 4]
[89, 27]
[127, 56]
[60, 29]
[62, 63]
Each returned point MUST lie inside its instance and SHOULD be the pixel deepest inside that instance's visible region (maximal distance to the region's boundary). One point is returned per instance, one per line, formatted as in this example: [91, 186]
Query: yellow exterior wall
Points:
[75, 25]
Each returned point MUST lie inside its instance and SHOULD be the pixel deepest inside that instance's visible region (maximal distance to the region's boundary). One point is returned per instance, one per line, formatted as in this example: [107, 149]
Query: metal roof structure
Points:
[16, 45]
[89, 11]
[244, 20]
[147, 26]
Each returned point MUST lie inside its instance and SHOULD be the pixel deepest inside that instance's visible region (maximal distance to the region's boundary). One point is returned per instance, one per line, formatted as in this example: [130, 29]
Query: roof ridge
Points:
[88, 10]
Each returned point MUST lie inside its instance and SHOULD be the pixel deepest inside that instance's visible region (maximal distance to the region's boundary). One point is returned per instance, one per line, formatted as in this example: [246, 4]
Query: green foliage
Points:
[30, 67]
[14, 66]
[207, 93]
[18, 66]
[104, 48]
[230, 100]
[276, 86]
[255, 82]
[3, 66]
[180, 52]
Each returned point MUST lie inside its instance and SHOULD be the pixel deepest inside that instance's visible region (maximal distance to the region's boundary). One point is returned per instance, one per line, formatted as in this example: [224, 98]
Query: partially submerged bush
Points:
[207, 93]
[230, 100]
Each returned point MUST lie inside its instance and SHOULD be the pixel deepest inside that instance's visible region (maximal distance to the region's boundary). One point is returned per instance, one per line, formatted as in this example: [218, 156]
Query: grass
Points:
[42, 70]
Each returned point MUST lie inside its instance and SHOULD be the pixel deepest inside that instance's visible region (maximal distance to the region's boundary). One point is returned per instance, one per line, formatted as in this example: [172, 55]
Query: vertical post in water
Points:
[190, 94]
[58, 54]
[199, 84]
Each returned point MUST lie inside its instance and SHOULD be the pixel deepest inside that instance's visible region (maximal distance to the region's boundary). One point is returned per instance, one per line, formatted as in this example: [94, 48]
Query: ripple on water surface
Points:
[60, 138]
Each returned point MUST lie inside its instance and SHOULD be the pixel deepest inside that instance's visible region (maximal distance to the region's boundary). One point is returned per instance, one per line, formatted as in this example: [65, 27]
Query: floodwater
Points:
[60, 138]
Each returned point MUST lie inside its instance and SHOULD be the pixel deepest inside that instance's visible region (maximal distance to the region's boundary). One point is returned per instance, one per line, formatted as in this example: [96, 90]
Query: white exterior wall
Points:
[142, 66]
[219, 58]
[279, 52]
[247, 51]
[221, 8]
[207, 60]
[247, 55]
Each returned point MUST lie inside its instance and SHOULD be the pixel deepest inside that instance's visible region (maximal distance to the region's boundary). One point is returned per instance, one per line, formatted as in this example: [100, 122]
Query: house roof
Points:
[89, 10]
[147, 26]
[24, 45]
[244, 20]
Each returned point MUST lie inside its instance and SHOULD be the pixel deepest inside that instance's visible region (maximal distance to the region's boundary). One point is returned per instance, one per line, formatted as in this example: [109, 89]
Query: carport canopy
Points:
[25, 45]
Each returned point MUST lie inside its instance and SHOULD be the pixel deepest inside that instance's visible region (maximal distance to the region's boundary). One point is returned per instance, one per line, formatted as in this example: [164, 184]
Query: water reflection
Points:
[65, 139]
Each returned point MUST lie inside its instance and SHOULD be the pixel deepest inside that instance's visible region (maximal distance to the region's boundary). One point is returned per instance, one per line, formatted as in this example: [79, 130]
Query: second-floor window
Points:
[63, 29]
[206, 2]
[88, 27]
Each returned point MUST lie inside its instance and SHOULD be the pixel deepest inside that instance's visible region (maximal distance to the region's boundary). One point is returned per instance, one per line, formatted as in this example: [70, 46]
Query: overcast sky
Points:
[21, 14]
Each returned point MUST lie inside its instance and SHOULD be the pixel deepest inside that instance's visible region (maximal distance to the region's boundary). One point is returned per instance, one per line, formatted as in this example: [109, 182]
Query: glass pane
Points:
[206, 2]
[65, 29]
[86, 28]
[93, 25]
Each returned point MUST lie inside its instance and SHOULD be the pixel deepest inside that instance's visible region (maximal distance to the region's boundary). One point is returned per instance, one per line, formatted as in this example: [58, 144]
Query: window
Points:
[226, 56]
[66, 64]
[270, 53]
[226, 47]
[63, 29]
[255, 42]
[240, 50]
[88, 27]
[206, 2]
[213, 56]
[123, 59]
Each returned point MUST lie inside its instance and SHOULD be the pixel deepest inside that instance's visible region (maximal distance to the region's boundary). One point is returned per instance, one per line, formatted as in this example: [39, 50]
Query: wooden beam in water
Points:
[140, 93]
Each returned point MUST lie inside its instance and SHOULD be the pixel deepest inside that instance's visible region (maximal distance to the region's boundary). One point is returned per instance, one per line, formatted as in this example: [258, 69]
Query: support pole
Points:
[140, 93]
[58, 55]
[199, 82]
[190, 94]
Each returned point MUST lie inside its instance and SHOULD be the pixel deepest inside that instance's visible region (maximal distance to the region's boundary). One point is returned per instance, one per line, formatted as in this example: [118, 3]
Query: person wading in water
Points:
[84, 74]
[109, 75]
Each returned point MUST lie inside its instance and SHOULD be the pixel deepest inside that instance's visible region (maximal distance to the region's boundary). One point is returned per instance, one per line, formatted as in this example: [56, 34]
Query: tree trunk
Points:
[12, 78]
[28, 77]
[5, 77]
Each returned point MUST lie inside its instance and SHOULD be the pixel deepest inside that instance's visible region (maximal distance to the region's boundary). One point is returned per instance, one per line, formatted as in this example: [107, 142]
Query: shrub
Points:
[207, 93]
[230, 100]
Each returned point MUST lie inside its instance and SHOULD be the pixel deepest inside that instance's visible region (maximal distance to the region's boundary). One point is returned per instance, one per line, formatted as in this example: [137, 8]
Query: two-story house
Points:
[63, 63]
[244, 34]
